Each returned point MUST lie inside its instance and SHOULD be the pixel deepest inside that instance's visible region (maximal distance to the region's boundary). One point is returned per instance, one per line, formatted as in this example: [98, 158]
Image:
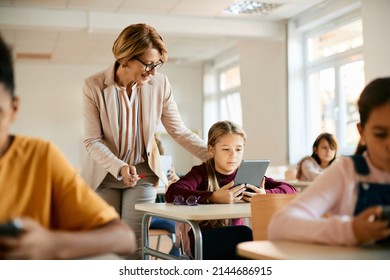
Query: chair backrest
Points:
[262, 209]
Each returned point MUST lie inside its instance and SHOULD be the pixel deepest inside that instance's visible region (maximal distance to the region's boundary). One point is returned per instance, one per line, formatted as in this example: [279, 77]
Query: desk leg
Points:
[145, 235]
[197, 239]
[147, 251]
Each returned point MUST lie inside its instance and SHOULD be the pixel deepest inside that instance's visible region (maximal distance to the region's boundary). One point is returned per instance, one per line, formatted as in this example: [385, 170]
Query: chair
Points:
[159, 233]
[262, 209]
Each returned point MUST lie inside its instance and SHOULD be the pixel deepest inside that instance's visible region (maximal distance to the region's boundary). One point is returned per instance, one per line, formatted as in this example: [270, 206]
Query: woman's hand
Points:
[367, 228]
[247, 197]
[129, 175]
[228, 194]
[34, 242]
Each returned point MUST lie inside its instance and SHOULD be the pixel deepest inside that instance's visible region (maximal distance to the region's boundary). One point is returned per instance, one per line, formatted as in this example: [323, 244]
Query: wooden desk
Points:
[190, 215]
[285, 250]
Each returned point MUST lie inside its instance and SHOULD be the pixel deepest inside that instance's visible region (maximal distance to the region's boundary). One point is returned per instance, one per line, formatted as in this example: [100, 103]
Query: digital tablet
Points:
[251, 171]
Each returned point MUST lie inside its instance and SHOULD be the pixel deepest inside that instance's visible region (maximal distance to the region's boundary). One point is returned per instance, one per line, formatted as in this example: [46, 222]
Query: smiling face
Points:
[134, 70]
[376, 135]
[228, 153]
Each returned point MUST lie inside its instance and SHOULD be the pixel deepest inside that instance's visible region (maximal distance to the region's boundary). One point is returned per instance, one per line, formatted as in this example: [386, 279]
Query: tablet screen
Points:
[251, 171]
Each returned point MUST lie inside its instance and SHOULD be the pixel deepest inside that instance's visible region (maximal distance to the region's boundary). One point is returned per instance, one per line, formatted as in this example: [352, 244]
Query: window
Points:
[339, 40]
[335, 78]
[326, 77]
[222, 96]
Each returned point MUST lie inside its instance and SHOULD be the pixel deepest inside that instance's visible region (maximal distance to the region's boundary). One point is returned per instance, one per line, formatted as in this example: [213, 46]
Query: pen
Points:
[142, 176]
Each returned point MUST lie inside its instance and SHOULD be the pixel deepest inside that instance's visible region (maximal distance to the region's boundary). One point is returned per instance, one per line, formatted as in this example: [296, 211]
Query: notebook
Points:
[251, 171]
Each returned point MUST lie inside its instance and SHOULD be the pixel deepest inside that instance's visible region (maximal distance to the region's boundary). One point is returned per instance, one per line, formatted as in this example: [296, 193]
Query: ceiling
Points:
[83, 31]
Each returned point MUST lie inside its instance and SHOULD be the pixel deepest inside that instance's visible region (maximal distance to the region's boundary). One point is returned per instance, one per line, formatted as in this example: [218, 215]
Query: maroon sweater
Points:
[195, 183]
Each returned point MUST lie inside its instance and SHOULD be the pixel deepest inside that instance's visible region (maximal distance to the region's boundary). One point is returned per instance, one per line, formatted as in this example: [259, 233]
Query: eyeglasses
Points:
[192, 200]
[150, 66]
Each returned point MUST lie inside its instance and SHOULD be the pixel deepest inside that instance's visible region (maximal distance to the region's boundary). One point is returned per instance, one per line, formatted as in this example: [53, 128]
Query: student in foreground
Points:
[61, 217]
[213, 182]
[344, 205]
[324, 153]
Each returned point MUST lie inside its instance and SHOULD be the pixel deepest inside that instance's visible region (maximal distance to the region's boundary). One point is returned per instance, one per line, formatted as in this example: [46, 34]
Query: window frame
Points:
[217, 95]
[299, 70]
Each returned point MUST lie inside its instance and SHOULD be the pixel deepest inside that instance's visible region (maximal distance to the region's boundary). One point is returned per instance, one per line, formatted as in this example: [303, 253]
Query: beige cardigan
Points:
[101, 136]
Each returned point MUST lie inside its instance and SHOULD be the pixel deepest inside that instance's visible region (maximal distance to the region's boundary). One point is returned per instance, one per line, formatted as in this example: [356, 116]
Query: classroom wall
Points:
[51, 105]
[376, 48]
[264, 99]
[187, 86]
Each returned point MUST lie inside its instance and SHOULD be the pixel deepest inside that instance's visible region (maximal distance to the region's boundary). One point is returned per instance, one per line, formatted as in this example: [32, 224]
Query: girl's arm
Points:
[323, 212]
[310, 169]
[272, 186]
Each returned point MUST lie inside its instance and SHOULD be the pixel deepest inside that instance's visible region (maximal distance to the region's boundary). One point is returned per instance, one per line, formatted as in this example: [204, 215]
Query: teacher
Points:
[122, 107]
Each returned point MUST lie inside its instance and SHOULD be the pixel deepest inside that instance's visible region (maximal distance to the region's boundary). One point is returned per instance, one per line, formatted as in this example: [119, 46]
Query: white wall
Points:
[264, 99]
[51, 104]
[376, 50]
[187, 86]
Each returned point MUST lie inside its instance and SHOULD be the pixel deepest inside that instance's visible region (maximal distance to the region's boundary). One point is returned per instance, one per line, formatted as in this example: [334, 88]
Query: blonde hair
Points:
[134, 40]
[216, 131]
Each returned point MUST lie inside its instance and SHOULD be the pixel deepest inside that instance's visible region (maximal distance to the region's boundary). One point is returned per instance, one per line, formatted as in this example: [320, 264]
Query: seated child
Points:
[324, 153]
[343, 206]
[60, 215]
[213, 182]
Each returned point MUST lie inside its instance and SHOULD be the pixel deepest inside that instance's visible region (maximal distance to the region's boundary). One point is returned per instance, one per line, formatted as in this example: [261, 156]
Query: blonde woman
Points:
[122, 107]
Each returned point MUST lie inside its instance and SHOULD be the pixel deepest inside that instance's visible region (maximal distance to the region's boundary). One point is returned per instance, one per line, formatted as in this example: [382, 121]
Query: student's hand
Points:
[228, 194]
[35, 242]
[129, 175]
[247, 197]
[367, 229]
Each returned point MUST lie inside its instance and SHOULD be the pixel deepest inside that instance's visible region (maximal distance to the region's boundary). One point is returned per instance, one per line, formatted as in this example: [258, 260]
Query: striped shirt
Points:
[131, 142]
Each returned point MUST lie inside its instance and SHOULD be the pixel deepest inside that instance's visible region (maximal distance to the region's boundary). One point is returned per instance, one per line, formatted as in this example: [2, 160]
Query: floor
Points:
[165, 243]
